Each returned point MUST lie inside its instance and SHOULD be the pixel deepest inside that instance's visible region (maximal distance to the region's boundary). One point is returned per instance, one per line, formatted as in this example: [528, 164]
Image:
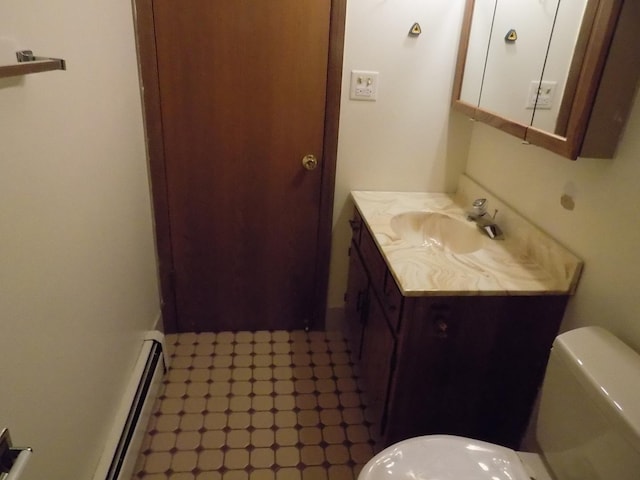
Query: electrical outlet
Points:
[541, 94]
[364, 85]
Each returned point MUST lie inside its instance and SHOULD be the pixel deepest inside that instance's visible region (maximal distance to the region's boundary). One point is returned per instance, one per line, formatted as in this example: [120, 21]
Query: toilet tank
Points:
[588, 425]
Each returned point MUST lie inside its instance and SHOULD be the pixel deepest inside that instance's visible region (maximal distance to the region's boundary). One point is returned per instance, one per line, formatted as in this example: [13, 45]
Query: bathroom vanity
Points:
[453, 329]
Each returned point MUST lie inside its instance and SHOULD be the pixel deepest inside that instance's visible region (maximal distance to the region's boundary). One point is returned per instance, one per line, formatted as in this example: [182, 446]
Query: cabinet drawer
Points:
[382, 281]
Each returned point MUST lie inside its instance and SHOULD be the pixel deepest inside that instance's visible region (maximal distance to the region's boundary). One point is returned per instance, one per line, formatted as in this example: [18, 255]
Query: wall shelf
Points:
[28, 63]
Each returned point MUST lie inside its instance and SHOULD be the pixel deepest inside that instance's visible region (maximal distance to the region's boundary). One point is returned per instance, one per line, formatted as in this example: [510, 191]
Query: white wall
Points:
[402, 141]
[603, 229]
[77, 262]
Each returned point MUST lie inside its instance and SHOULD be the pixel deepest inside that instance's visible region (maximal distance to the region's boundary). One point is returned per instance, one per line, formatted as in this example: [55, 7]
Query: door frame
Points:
[150, 89]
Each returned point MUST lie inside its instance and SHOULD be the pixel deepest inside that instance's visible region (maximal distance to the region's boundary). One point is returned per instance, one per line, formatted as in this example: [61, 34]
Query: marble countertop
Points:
[525, 262]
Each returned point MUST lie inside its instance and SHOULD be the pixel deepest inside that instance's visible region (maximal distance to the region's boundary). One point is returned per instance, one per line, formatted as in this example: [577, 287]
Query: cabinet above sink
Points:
[560, 74]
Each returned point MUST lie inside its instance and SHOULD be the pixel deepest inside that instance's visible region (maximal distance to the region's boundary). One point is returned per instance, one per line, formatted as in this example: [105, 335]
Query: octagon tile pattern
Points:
[267, 405]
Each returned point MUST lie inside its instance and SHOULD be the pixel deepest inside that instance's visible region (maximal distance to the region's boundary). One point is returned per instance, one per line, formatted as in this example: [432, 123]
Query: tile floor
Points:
[258, 406]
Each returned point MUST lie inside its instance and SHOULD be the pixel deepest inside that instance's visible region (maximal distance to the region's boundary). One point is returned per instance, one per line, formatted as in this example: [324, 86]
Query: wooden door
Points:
[242, 91]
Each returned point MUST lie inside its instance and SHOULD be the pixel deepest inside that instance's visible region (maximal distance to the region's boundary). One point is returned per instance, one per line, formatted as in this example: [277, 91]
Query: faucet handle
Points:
[479, 206]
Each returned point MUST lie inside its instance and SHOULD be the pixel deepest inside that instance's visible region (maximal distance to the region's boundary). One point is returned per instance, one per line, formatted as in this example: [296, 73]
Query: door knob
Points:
[309, 162]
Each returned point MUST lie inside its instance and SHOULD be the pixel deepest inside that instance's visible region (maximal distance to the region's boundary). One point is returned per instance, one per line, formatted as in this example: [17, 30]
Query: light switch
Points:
[364, 85]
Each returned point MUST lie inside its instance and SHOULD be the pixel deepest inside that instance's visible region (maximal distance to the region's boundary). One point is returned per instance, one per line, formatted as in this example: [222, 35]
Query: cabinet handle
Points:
[442, 328]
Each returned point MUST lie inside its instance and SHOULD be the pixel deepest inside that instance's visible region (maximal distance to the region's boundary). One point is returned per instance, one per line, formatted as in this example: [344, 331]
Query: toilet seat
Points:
[444, 457]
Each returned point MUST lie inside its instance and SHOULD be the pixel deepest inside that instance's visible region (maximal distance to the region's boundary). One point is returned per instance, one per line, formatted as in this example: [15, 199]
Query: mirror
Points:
[533, 67]
[519, 37]
[477, 50]
[555, 80]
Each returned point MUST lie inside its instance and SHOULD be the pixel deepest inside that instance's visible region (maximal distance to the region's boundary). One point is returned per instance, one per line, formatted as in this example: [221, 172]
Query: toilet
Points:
[587, 427]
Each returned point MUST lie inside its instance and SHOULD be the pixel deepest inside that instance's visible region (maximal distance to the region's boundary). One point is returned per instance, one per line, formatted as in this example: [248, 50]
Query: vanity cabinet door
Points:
[443, 358]
[377, 360]
[356, 300]
[373, 304]
[392, 301]
[381, 280]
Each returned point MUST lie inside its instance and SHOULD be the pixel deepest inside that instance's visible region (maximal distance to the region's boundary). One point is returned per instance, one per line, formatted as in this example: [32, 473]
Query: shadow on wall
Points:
[457, 146]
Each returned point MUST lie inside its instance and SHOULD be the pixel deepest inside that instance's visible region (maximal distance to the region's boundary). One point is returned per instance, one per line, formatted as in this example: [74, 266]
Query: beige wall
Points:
[403, 141]
[77, 263]
[603, 229]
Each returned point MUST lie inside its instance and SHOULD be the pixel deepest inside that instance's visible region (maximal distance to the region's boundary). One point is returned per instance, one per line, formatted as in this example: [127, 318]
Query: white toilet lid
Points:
[444, 457]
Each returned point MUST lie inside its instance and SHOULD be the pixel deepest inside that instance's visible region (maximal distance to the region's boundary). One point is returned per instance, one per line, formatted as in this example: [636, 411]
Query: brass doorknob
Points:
[309, 162]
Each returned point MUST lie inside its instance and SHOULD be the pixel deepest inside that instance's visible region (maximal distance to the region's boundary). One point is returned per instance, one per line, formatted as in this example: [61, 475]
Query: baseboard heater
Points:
[119, 458]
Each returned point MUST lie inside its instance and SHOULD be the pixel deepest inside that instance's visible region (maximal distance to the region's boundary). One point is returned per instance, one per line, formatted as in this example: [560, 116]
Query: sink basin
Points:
[432, 229]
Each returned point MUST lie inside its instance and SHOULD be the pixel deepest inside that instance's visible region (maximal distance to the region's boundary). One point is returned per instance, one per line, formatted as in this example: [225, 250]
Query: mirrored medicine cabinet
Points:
[560, 74]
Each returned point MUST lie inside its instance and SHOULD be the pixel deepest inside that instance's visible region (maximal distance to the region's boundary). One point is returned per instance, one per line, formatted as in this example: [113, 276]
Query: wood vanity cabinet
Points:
[462, 365]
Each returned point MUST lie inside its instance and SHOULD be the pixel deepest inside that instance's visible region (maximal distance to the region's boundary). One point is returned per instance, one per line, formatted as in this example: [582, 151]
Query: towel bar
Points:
[29, 63]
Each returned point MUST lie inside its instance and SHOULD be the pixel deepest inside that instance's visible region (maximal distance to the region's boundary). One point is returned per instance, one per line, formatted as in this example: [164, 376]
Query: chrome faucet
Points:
[483, 220]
